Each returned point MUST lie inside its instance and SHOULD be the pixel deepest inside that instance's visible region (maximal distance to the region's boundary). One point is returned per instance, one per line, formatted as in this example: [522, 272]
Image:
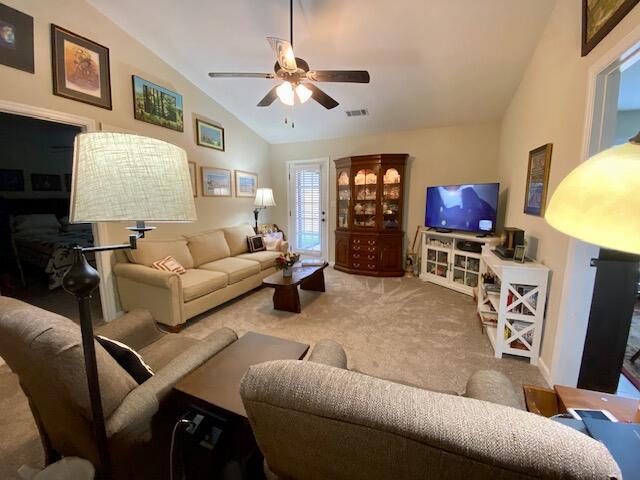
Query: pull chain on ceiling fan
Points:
[296, 76]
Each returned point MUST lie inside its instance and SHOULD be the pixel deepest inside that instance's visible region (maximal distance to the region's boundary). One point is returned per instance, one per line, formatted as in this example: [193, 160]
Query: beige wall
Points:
[244, 149]
[437, 156]
[550, 106]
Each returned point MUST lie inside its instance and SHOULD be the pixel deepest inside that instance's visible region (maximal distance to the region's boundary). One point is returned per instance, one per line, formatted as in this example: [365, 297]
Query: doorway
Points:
[307, 204]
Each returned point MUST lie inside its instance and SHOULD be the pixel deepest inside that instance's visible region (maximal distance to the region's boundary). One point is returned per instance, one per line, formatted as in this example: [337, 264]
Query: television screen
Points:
[470, 208]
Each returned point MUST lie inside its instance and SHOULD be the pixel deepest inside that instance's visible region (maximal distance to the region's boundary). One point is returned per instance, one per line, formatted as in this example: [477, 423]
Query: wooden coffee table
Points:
[285, 296]
[216, 383]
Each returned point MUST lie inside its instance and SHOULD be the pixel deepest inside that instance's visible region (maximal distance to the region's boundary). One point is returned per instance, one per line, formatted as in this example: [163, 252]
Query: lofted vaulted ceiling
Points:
[432, 62]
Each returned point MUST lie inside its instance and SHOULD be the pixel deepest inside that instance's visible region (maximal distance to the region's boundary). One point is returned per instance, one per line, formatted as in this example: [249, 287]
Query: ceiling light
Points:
[303, 93]
[285, 93]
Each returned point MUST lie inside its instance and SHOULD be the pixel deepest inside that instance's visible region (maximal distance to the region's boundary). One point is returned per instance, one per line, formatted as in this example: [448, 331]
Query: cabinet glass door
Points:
[344, 198]
[365, 183]
[391, 198]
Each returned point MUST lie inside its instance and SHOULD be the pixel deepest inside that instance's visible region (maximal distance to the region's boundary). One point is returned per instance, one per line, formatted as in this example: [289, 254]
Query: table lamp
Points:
[119, 177]
[598, 202]
[264, 199]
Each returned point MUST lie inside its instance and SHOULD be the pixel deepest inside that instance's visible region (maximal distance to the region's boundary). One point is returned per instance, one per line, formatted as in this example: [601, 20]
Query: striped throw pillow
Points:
[169, 264]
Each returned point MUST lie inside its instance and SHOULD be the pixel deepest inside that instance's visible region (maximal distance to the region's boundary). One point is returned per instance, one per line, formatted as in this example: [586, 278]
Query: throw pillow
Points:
[256, 244]
[271, 243]
[127, 358]
[169, 264]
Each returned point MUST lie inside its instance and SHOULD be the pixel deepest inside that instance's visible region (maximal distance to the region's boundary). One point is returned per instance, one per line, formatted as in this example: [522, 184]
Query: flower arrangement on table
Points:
[285, 262]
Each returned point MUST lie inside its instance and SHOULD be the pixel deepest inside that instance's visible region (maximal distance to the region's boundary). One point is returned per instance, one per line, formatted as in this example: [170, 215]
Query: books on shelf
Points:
[521, 308]
[517, 326]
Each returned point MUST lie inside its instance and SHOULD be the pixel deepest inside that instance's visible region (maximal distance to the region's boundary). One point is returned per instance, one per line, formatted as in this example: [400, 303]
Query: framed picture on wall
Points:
[16, 39]
[599, 17]
[193, 171]
[535, 198]
[80, 68]
[216, 182]
[157, 105]
[209, 135]
[11, 180]
[246, 184]
[44, 182]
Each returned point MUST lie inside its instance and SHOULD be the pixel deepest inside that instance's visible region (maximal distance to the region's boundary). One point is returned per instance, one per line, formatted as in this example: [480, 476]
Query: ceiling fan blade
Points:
[284, 54]
[269, 98]
[240, 75]
[321, 97]
[349, 76]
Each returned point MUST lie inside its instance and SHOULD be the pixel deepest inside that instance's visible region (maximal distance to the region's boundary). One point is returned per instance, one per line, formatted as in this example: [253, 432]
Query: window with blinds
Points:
[307, 207]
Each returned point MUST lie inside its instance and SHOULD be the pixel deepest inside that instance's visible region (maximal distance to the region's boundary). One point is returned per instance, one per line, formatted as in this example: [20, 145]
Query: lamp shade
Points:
[120, 177]
[599, 203]
[264, 198]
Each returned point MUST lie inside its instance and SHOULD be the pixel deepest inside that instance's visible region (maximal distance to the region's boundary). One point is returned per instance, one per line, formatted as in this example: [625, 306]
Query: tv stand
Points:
[441, 230]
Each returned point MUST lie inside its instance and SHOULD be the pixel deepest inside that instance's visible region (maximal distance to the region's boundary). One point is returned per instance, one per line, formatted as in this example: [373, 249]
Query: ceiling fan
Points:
[295, 75]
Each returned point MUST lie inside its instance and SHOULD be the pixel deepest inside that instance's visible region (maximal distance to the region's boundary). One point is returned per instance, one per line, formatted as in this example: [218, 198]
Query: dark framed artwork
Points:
[16, 39]
[80, 68]
[44, 182]
[157, 105]
[209, 135]
[11, 180]
[535, 199]
[599, 17]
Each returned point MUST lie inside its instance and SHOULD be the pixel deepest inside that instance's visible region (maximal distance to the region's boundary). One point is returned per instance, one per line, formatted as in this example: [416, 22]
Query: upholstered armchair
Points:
[316, 420]
[45, 351]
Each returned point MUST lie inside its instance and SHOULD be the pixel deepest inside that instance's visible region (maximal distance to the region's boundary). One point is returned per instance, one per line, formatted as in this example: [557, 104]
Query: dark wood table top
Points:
[217, 381]
[299, 275]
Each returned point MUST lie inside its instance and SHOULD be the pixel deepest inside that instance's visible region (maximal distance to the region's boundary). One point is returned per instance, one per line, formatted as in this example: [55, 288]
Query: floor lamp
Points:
[119, 177]
[599, 203]
[264, 199]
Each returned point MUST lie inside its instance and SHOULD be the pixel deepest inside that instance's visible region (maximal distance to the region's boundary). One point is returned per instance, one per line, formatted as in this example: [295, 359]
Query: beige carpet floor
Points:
[396, 328]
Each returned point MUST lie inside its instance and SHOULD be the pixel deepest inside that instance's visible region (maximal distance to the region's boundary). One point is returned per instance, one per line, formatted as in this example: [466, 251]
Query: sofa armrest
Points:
[329, 353]
[136, 329]
[135, 413]
[492, 386]
[144, 274]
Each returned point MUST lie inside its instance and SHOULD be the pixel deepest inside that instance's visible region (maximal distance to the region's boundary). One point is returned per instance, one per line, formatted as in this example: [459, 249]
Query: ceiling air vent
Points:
[360, 112]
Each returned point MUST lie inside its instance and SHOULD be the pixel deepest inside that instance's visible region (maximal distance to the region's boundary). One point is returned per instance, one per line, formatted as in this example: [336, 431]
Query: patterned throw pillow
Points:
[169, 264]
[256, 243]
[127, 358]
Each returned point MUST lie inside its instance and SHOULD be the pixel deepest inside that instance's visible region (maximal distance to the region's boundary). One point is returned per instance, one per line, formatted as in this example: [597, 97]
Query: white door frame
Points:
[324, 200]
[579, 277]
[103, 261]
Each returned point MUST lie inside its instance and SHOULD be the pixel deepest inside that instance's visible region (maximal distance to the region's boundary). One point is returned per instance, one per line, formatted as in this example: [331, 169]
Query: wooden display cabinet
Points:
[369, 230]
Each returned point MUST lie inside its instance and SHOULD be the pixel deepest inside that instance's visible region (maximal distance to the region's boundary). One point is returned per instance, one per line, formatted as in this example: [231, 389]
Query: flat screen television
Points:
[467, 208]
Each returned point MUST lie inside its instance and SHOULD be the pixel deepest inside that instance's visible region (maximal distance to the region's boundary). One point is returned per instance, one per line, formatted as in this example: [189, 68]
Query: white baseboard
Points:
[544, 370]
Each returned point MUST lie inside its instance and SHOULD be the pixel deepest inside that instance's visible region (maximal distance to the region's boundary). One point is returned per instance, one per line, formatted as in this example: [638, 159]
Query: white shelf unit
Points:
[517, 310]
[443, 263]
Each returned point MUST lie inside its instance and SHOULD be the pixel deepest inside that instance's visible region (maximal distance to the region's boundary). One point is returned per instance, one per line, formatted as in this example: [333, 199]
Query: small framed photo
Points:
[80, 68]
[11, 180]
[246, 184]
[519, 253]
[209, 135]
[16, 39]
[216, 182]
[43, 182]
[157, 105]
[193, 172]
[535, 199]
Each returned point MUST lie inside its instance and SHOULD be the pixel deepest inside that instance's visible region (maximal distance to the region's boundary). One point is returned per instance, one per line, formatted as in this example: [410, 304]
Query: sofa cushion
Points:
[162, 351]
[197, 283]
[237, 268]
[150, 251]
[237, 238]
[265, 258]
[208, 247]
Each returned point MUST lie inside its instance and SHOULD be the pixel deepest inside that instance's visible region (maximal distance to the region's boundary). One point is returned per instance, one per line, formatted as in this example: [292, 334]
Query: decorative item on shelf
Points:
[16, 39]
[391, 177]
[216, 182]
[80, 68]
[285, 262]
[246, 184]
[508, 241]
[343, 179]
[535, 198]
[155, 176]
[157, 105]
[599, 17]
[519, 253]
[209, 135]
[264, 199]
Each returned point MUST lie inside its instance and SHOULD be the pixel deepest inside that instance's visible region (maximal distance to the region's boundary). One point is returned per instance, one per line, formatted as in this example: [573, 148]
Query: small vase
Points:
[287, 271]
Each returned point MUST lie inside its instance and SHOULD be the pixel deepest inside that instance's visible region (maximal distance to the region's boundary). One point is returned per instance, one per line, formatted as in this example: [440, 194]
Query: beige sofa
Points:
[219, 268]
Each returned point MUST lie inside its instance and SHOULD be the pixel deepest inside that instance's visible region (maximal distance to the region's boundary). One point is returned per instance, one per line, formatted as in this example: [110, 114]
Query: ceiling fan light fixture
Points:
[285, 93]
[303, 93]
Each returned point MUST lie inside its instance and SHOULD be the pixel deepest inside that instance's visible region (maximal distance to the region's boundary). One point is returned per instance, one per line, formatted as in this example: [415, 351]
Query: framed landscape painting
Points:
[157, 105]
[538, 180]
[599, 17]
[216, 182]
[208, 135]
[246, 184]
[193, 172]
[80, 68]
[16, 39]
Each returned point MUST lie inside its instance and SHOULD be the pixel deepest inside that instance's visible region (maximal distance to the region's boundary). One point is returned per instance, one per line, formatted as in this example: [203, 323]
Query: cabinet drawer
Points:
[364, 242]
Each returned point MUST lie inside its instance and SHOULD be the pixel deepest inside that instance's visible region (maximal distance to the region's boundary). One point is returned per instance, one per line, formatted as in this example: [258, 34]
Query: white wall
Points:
[438, 156]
